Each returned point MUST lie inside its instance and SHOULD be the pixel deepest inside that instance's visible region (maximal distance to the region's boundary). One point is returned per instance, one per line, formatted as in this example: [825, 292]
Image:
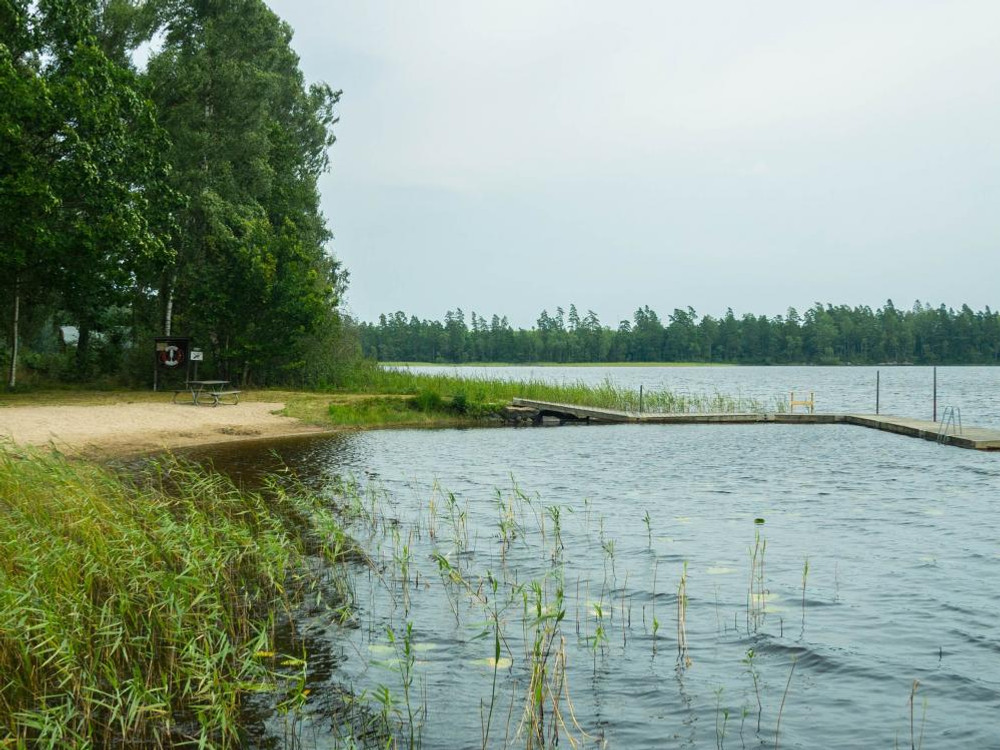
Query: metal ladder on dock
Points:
[952, 417]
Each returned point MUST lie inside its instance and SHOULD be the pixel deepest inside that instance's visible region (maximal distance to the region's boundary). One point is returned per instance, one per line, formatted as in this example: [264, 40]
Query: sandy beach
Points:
[130, 428]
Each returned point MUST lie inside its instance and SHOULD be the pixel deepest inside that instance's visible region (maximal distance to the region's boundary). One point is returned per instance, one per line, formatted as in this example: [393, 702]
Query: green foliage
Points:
[460, 403]
[485, 397]
[823, 335]
[81, 163]
[427, 400]
[384, 410]
[189, 187]
[136, 611]
[427, 403]
[252, 281]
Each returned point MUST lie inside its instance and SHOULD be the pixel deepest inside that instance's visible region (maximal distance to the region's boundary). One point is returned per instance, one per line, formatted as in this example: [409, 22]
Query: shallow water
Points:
[904, 391]
[903, 554]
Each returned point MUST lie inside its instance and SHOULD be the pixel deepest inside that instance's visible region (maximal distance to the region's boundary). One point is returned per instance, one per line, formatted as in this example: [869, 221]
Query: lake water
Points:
[827, 570]
[904, 391]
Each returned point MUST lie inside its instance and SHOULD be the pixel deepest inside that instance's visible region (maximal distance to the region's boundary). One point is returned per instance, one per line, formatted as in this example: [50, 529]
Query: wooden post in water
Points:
[878, 378]
[640, 399]
[935, 393]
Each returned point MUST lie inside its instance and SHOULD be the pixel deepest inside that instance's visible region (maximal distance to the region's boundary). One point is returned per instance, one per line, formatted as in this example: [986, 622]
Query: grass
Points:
[141, 612]
[484, 395]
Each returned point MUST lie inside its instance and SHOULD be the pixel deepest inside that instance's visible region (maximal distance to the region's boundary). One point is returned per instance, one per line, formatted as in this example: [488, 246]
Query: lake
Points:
[664, 586]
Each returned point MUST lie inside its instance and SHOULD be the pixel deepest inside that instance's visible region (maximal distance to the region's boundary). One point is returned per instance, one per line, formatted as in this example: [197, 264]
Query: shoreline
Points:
[127, 429]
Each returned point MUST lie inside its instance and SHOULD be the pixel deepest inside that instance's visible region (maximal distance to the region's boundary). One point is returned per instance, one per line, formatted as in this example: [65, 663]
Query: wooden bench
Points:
[218, 397]
[207, 396]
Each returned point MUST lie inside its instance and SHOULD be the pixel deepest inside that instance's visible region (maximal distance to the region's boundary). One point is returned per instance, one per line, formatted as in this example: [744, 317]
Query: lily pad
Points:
[502, 663]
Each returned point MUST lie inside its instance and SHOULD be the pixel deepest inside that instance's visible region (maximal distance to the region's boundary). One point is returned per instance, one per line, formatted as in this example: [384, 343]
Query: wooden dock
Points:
[976, 438]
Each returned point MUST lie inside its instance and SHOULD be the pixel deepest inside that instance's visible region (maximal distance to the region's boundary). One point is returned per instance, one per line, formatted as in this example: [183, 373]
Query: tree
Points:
[29, 124]
[647, 336]
[252, 277]
[682, 336]
[80, 150]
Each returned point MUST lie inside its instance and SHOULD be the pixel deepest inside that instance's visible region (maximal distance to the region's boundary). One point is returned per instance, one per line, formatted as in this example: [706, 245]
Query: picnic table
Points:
[208, 392]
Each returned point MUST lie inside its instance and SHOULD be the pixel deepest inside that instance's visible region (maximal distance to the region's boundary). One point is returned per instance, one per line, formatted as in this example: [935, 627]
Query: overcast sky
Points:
[506, 157]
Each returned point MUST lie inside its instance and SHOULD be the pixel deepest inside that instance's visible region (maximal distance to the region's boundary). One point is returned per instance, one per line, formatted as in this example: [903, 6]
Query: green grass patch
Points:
[428, 407]
[379, 410]
[140, 611]
[479, 396]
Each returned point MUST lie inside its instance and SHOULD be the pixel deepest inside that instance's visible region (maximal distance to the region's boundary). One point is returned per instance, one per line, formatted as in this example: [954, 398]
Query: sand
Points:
[124, 429]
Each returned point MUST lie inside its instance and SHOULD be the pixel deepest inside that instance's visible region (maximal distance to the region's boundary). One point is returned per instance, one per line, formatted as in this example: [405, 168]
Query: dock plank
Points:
[976, 438]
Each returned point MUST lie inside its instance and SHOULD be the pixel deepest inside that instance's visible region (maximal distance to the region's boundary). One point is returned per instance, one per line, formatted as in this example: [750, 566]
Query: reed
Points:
[487, 720]
[406, 658]
[137, 612]
[752, 669]
[720, 731]
[484, 396]
[805, 577]
[683, 656]
[756, 591]
[543, 722]
[656, 623]
[513, 600]
[781, 708]
[555, 513]
[916, 744]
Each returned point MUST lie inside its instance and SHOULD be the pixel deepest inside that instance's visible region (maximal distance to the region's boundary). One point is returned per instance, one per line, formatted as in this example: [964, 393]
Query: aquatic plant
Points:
[683, 657]
[916, 743]
[133, 611]
[751, 665]
[720, 731]
[656, 623]
[495, 617]
[507, 522]
[756, 592]
[484, 396]
[805, 576]
[781, 708]
[555, 513]
[542, 720]
[510, 601]
[406, 657]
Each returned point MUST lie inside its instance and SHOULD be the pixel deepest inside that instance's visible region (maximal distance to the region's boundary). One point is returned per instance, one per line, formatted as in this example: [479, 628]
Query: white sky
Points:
[509, 157]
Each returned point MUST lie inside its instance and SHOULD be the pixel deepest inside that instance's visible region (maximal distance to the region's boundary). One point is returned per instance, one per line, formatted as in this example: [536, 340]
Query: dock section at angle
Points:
[976, 438]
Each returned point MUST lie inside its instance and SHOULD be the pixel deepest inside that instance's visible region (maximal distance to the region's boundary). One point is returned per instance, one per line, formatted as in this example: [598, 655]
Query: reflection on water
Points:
[899, 586]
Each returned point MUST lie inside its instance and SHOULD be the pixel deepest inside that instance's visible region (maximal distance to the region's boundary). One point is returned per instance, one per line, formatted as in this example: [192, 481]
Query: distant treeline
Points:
[823, 334]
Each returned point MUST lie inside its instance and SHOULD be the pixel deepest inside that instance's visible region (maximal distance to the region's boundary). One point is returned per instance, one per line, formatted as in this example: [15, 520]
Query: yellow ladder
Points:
[810, 404]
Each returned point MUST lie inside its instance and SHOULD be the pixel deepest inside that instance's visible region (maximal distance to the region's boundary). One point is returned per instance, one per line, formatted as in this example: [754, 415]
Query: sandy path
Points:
[118, 429]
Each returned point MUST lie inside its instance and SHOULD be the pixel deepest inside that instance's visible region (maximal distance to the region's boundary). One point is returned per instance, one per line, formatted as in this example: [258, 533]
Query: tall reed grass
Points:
[139, 612]
[480, 395]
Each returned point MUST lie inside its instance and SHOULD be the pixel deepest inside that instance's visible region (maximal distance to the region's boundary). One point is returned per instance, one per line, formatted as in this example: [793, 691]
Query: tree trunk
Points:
[12, 375]
[167, 301]
[82, 351]
[169, 314]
